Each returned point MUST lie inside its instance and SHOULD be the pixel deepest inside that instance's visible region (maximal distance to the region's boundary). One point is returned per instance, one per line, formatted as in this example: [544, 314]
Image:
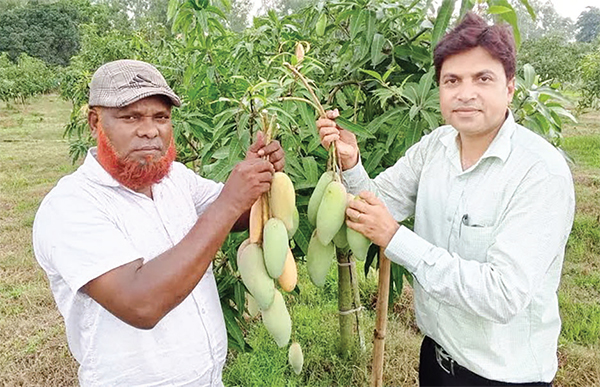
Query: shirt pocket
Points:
[474, 242]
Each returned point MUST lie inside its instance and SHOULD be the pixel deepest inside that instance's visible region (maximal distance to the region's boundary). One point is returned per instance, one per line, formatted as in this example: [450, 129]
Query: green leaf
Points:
[308, 118]
[372, 73]
[442, 20]
[373, 162]
[376, 48]
[498, 10]
[233, 329]
[321, 24]
[465, 5]
[529, 74]
[529, 8]
[172, 9]
[510, 18]
[352, 127]
[311, 170]
[371, 254]
[303, 234]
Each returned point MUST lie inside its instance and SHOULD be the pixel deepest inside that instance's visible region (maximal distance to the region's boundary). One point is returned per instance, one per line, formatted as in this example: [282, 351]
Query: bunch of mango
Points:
[327, 213]
[266, 256]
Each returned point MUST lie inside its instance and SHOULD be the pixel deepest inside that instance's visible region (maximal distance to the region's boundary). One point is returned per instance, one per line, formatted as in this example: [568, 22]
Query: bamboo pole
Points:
[345, 304]
[381, 321]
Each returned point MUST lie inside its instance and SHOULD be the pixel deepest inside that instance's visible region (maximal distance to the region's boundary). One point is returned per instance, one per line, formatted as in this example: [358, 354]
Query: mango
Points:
[253, 308]
[295, 224]
[289, 278]
[332, 212]
[296, 358]
[251, 266]
[277, 320]
[275, 246]
[282, 199]
[317, 196]
[318, 259]
[242, 246]
[256, 221]
[340, 240]
[359, 244]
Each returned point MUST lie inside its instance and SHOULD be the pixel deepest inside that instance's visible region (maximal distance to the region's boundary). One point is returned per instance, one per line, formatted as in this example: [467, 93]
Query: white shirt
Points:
[487, 248]
[88, 225]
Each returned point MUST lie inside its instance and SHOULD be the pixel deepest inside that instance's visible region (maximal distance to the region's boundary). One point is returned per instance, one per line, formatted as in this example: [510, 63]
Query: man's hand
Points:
[345, 141]
[248, 180]
[273, 151]
[371, 218]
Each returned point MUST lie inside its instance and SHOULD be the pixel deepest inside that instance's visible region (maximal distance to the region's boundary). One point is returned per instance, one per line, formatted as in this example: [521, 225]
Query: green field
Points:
[33, 350]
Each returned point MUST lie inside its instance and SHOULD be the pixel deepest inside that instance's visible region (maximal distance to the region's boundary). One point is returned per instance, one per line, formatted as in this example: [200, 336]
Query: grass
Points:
[33, 156]
[33, 349]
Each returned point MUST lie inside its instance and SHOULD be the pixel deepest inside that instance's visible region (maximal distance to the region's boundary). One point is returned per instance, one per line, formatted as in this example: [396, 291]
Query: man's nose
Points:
[147, 128]
[467, 91]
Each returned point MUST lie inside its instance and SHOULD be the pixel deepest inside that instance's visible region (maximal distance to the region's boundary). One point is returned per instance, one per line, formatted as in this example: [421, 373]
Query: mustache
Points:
[466, 106]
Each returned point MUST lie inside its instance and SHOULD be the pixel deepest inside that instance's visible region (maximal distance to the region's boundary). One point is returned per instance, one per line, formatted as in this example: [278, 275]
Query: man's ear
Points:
[93, 121]
[511, 89]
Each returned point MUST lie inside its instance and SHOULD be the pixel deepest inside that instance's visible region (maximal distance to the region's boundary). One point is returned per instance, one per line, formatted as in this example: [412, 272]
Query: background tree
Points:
[285, 7]
[50, 30]
[238, 16]
[553, 57]
[588, 24]
[45, 31]
[547, 21]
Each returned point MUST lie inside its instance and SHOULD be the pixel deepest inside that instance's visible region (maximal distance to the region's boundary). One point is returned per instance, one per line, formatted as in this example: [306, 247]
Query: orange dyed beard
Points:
[133, 174]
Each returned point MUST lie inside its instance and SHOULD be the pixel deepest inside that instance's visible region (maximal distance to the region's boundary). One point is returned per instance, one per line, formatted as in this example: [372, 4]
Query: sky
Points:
[572, 8]
[566, 8]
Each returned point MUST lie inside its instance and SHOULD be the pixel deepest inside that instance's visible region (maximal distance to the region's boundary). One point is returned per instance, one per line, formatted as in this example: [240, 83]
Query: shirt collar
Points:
[500, 146]
[92, 169]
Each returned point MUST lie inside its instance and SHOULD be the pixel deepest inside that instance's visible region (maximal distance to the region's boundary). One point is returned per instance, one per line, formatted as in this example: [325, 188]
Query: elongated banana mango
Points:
[277, 320]
[242, 246]
[332, 212]
[256, 221]
[275, 246]
[253, 308]
[295, 224]
[296, 358]
[359, 244]
[289, 277]
[317, 196]
[318, 259]
[340, 240]
[254, 275]
[282, 199]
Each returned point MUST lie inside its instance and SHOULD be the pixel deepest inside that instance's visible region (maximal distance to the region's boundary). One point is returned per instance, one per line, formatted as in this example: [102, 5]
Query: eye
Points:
[485, 78]
[450, 81]
[129, 117]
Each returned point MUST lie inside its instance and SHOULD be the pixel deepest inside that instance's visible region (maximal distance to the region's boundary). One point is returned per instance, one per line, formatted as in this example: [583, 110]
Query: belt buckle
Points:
[443, 357]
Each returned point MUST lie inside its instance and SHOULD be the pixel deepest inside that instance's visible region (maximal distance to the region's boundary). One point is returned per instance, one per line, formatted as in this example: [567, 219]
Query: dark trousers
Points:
[432, 374]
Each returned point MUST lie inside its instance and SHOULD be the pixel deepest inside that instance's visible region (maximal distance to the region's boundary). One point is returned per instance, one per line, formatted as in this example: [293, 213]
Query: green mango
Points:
[318, 260]
[332, 212]
[317, 196]
[275, 246]
[254, 275]
[277, 320]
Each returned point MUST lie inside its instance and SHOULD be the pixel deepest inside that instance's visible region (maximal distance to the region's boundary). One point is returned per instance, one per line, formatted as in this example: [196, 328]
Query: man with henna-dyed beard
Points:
[127, 241]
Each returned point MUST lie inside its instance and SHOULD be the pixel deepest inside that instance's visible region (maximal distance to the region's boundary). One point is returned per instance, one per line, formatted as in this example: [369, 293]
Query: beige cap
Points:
[123, 82]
